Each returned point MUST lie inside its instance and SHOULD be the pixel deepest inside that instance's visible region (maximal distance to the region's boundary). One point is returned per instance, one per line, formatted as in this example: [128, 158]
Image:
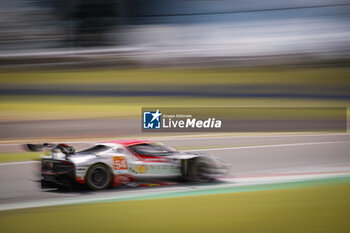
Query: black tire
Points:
[98, 177]
[199, 170]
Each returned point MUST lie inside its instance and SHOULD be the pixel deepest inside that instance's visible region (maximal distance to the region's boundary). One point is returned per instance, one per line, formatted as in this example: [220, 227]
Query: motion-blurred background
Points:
[180, 28]
[79, 71]
[85, 68]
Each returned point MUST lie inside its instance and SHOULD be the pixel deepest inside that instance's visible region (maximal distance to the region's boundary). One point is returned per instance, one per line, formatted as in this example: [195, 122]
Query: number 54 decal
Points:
[120, 163]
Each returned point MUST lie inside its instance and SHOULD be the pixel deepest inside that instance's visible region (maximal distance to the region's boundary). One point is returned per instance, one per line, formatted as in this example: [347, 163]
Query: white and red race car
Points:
[120, 162]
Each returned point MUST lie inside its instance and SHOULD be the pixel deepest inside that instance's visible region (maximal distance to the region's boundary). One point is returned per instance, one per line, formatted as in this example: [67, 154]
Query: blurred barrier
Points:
[173, 32]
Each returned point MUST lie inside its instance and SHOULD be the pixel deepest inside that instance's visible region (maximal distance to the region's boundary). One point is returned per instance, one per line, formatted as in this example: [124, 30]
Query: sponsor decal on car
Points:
[140, 169]
[120, 163]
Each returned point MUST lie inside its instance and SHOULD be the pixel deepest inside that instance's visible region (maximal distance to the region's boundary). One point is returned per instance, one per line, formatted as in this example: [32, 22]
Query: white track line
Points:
[18, 163]
[192, 137]
[266, 146]
[208, 136]
[219, 149]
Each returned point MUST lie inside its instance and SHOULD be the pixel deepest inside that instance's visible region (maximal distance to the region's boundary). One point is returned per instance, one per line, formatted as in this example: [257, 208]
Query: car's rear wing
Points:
[39, 147]
[65, 149]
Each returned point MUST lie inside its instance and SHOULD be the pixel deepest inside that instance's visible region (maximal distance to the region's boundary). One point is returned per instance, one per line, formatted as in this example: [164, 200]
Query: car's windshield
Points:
[94, 149]
[152, 149]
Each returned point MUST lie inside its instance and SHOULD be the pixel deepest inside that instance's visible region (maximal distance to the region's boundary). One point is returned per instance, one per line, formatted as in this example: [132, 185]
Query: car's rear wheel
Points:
[98, 177]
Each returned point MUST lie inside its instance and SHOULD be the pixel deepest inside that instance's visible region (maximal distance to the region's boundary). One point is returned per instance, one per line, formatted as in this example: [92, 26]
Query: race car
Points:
[121, 162]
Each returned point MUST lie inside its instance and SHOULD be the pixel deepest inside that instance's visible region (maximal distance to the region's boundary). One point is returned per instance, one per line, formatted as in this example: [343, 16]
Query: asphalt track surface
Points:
[248, 156]
[112, 127]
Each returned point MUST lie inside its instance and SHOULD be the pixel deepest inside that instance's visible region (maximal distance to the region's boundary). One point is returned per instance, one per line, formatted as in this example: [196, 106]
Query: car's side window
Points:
[148, 149]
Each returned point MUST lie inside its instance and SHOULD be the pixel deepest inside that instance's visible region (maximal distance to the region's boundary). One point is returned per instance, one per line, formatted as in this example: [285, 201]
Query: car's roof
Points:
[129, 142]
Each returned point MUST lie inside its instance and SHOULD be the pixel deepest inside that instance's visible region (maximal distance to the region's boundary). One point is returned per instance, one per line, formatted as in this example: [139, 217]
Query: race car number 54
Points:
[119, 163]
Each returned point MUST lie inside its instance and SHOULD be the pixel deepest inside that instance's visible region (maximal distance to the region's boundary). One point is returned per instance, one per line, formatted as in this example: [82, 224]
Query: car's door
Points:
[154, 160]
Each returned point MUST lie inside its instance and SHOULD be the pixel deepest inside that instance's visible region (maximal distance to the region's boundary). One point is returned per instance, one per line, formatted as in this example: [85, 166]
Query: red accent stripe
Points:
[80, 179]
[122, 179]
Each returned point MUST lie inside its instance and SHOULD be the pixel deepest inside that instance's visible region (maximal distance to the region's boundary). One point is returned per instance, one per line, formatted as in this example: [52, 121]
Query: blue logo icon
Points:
[151, 120]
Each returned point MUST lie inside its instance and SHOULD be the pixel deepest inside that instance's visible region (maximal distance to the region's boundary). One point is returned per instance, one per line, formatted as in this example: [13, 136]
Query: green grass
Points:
[58, 107]
[51, 107]
[12, 157]
[320, 76]
[323, 208]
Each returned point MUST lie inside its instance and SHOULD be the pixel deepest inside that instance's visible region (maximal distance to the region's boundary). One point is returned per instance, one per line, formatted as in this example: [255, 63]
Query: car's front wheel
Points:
[199, 170]
[98, 177]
